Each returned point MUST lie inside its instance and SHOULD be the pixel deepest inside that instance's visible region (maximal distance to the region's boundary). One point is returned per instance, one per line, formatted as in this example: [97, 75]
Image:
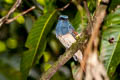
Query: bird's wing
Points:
[72, 30]
[71, 27]
[58, 29]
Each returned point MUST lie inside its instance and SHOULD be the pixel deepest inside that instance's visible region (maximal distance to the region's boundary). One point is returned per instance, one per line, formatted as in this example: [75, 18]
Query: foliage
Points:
[28, 45]
[109, 51]
[36, 41]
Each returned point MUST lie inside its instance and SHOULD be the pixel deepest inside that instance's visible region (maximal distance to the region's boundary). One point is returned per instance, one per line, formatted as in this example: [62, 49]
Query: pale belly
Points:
[67, 41]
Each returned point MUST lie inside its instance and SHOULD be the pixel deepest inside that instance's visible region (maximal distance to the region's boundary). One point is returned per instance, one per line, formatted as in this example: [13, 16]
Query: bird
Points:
[66, 34]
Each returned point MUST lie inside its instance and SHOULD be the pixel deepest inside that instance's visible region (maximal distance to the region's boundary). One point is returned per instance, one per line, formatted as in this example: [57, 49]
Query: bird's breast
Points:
[67, 40]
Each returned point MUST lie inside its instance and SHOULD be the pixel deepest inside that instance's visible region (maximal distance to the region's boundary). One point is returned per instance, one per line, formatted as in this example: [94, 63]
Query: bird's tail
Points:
[78, 56]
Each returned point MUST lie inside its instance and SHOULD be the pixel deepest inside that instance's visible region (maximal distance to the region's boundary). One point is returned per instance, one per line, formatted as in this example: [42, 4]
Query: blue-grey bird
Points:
[66, 34]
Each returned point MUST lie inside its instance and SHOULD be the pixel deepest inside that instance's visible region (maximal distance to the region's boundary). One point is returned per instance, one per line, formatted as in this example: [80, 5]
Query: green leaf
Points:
[109, 52]
[116, 75]
[36, 41]
[78, 22]
[91, 5]
[113, 18]
[28, 23]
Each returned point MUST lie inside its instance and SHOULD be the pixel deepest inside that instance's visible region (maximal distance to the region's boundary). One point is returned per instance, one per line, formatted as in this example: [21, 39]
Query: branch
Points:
[64, 7]
[38, 5]
[80, 44]
[28, 10]
[100, 14]
[64, 58]
[14, 7]
[3, 19]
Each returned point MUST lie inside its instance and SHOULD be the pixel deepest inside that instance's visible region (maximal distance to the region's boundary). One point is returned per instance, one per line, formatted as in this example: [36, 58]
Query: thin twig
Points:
[38, 5]
[64, 7]
[3, 19]
[61, 9]
[28, 10]
[14, 7]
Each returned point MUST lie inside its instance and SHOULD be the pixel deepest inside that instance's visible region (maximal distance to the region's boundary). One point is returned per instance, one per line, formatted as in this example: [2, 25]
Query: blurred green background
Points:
[14, 35]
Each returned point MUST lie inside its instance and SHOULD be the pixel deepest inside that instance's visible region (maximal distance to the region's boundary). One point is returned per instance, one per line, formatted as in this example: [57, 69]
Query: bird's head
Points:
[63, 17]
